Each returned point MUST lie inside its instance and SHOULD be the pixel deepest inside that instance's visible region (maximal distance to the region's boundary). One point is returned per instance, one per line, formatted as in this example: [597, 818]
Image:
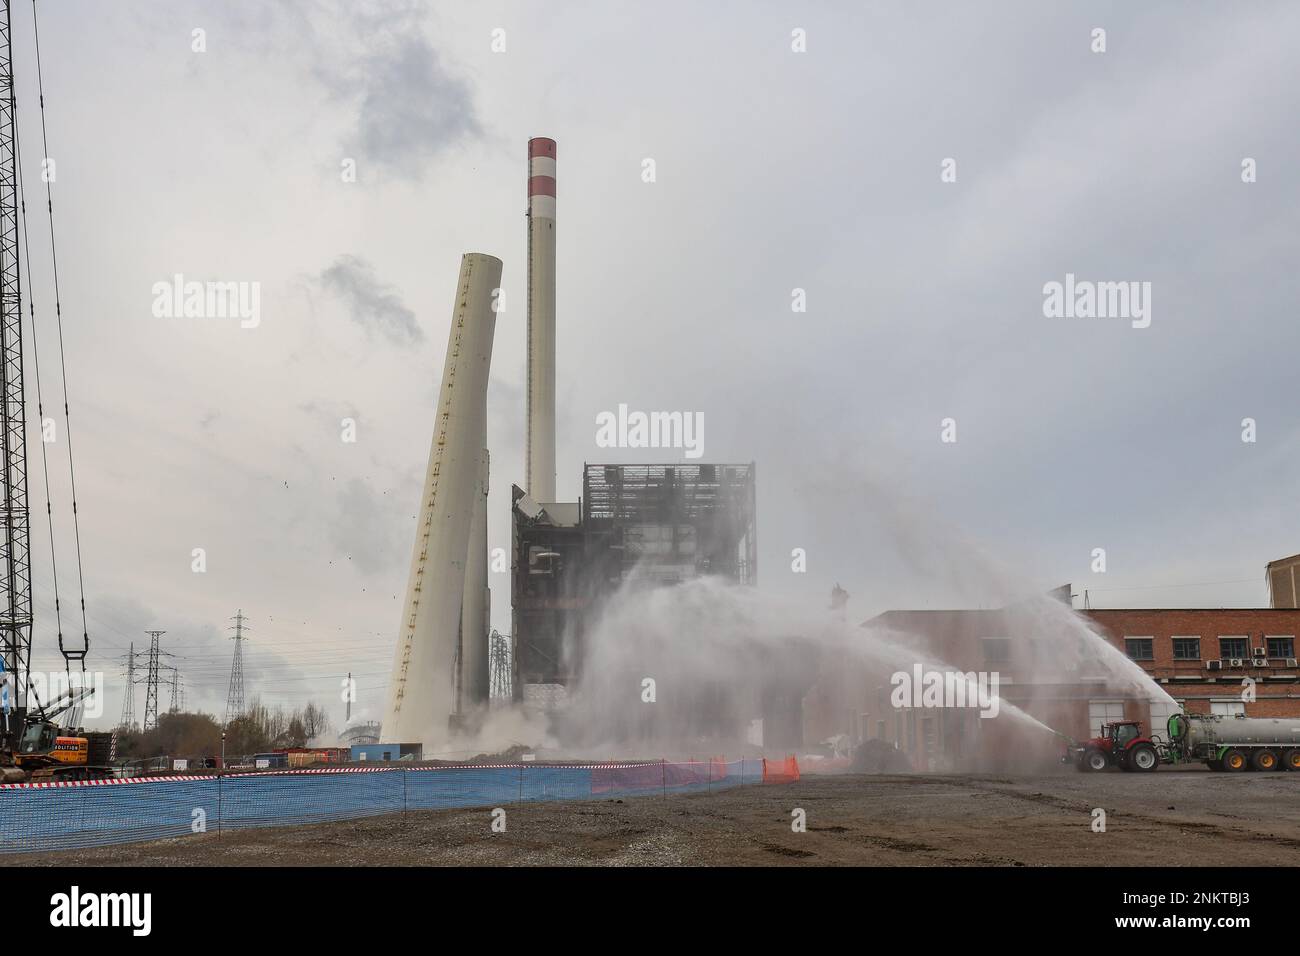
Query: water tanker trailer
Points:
[1235, 743]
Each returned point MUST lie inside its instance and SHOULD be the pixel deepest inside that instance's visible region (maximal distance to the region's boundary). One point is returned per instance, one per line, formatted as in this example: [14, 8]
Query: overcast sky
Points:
[776, 170]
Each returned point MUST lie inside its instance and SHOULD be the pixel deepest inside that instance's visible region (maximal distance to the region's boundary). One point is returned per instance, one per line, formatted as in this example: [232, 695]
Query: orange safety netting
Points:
[784, 771]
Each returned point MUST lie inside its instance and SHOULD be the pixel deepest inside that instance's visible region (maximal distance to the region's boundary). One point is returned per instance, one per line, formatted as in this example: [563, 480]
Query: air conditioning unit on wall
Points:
[1236, 662]
[1261, 662]
[1214, 665]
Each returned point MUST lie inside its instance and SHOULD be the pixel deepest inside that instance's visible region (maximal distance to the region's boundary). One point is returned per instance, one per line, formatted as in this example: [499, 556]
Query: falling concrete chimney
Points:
[539, 473]
[476, 602]
[421, 696]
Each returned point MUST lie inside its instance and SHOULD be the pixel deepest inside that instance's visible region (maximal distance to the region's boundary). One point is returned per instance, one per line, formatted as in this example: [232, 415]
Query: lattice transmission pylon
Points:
[499, 666]
[235, 695]
[128, 697]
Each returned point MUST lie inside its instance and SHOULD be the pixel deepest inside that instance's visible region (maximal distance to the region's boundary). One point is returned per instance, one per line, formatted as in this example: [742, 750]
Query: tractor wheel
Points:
[1235, 761]
[1144, 758]
[1291, 759]
[1095, 761]
[1263, 760]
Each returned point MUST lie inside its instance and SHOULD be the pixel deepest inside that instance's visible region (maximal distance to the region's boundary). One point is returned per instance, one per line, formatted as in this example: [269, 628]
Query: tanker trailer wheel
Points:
[1235, 761]
[1095, 761]
[1143, 757]
[1291, 759]
[1263, 760]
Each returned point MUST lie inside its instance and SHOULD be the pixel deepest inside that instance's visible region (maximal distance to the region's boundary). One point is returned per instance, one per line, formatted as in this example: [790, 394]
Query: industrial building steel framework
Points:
[663, 524]
[716, 501]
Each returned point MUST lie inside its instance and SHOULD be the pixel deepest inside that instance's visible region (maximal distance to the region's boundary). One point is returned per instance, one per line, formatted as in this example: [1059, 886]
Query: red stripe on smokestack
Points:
[541, 146]
[541, 185]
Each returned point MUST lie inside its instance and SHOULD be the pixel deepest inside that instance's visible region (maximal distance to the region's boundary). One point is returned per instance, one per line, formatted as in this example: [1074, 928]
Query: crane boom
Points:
[15, 557]
[66, 702]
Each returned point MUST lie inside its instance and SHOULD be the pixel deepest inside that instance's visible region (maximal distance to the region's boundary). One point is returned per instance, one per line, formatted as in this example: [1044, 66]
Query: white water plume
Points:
[686, 669]
[719, 655]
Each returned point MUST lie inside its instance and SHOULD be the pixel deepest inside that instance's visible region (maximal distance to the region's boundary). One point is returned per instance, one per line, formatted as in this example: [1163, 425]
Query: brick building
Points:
[1204, 656]
[1055, 670]
[1284, 582]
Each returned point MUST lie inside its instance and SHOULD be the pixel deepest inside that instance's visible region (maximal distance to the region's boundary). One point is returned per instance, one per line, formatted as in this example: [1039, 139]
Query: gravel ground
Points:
[1172, 817]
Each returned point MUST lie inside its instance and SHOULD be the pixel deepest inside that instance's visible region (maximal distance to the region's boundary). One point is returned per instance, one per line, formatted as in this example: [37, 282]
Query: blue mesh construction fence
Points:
[52, 816]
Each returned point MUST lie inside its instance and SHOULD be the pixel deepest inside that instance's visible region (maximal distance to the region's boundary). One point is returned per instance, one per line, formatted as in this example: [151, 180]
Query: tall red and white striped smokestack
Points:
[539, 475]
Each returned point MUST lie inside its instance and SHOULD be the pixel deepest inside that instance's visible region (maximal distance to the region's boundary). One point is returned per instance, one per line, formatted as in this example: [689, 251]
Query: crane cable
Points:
[40, 404]
[74, 654]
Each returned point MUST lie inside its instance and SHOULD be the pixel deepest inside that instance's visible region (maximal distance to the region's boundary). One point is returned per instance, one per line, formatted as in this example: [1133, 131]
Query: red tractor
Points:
[1121, 744]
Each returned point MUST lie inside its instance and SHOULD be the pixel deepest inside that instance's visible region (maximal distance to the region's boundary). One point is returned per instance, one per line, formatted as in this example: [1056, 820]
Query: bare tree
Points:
[315, 722]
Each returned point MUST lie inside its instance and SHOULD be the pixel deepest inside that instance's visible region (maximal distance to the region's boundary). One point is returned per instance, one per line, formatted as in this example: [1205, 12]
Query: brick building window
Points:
[1187, 648]
[997, 650]
[1227, 708]
[1234, 647]
[1140, 648]
[1281, 646]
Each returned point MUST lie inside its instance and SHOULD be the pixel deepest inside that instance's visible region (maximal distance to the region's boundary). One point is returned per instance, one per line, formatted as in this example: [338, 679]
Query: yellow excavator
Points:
[49, 752]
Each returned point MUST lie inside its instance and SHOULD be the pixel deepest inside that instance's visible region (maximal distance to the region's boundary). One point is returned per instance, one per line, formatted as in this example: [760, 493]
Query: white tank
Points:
[1218, 730]
[421, 689]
